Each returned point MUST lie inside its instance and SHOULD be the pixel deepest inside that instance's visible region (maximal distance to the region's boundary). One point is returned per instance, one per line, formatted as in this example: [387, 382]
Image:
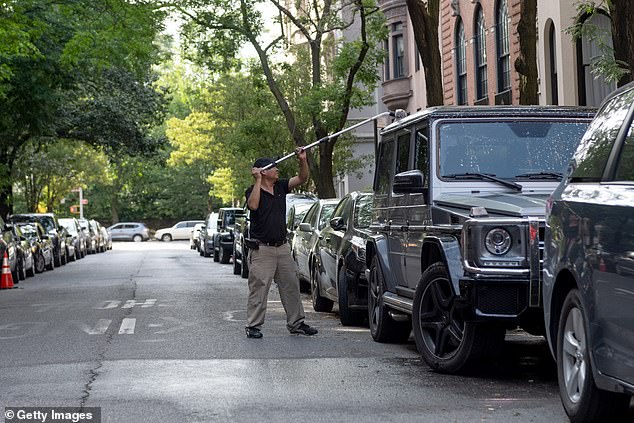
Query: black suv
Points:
[56, 232]
[223, 237]
[589, 268]
[457, 225]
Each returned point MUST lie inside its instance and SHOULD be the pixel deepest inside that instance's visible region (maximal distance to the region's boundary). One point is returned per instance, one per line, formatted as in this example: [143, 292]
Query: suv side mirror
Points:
[408, 182]
[305, 227]
[337, 223]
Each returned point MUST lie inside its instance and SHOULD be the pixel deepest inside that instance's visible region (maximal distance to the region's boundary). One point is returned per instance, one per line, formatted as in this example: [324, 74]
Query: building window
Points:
[386, 71]
[398, 46]
[594, 88]
[554, 94]
[461, 64]
[480, 56]
[504, 56]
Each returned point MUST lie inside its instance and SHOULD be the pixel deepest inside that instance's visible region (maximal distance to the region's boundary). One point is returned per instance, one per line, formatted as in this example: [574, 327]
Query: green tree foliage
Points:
[336, 75]
[76, 69]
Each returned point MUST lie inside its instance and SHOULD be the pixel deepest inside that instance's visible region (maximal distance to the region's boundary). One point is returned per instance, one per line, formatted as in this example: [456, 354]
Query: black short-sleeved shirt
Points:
[268, 222]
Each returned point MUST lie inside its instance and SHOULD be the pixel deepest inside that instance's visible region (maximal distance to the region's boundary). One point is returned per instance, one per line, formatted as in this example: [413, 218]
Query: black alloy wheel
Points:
[40, 262]
[237, 268]
[244, 272]
[446, 342]
[224, 255]
[320, 303]
[382, 327]
[21, 269]
[347, 316]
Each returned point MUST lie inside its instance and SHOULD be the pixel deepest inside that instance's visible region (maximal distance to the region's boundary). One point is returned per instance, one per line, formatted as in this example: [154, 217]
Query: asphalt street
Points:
[153, 332]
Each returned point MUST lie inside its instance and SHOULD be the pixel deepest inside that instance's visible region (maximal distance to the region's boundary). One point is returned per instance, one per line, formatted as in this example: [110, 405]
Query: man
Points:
[266, 199]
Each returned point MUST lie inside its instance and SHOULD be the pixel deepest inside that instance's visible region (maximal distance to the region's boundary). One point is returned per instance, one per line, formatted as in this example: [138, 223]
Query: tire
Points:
[224, 256]
[22, 269]
[137, 238]
[244, 272]
[582, 400]
[347, 316]
[216, 253]
[446, 342]
[40, 263]
[31, 272]
[51, 265]
[237, 267]
[382, 327]
[320, 303]
[166, 238]
[57, 258]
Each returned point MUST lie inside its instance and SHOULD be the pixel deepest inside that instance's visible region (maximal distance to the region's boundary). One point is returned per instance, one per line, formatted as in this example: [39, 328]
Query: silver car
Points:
[129, 231]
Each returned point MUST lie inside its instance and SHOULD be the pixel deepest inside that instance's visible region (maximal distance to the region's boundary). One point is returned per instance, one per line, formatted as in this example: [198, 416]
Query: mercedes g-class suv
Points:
[457, 228]
[223, 238]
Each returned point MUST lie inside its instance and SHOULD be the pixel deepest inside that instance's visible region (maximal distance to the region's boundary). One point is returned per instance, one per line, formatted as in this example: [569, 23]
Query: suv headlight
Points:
[495, 243]
[498, 241]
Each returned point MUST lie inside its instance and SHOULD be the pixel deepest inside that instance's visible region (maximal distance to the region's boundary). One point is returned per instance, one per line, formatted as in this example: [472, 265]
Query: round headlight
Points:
[498, 241]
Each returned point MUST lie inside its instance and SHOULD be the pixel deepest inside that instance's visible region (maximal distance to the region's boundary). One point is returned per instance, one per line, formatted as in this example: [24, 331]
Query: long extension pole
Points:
[329, 137]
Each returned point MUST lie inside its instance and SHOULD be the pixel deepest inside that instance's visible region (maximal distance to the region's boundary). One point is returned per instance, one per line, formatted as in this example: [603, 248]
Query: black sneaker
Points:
[253, 332]
[304, 329]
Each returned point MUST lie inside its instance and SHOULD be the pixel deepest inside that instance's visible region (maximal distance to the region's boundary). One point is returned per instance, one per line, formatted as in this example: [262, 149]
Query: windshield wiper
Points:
[541, 175]
[486, 176]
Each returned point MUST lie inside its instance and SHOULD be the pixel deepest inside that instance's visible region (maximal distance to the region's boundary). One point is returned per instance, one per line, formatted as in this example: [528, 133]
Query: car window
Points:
[422, 153]
[402, 153]
[181, 225]
[625, 166]
[363, 211]
[593, 151]
[311, 215]
[343, 209]
[326, 213]
[384, 171]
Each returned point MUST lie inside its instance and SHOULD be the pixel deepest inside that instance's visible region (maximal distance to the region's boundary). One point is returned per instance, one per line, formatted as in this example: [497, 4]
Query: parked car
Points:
[129, 231]
[180, 231]
[92, 240]
[307, 234]
[52, 227]
[207, 234]
[194, 238]
[107, 240]
[99, 239]
[26, 264]
[223, 237]
[76, 236]
[459, 200]
[294, 218]
[588, 288]
[338, 274]
[41, 245]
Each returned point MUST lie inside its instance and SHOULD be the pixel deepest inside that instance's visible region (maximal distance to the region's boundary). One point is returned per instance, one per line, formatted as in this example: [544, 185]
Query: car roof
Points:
[492, 111]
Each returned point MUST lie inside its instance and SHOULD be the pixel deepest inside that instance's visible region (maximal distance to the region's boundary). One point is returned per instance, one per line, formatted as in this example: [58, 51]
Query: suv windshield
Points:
[531, 149]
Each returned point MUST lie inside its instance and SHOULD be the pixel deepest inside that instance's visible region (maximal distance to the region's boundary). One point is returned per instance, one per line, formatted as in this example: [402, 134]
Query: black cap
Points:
[263, 161]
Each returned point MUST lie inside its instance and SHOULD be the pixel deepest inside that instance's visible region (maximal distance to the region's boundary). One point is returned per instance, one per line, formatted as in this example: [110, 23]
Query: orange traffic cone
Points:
[6, 282]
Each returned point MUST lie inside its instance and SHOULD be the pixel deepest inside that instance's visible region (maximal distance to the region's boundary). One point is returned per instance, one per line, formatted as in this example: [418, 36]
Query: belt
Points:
[274, 243]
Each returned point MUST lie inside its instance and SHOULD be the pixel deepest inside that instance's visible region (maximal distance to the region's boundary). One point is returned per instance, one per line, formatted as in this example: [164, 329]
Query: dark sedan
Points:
[41, 245]
[53, 229]
[340, 275]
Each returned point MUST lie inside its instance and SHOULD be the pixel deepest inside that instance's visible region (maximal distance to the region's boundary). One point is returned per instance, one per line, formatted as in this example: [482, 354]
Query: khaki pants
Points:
[266, 264]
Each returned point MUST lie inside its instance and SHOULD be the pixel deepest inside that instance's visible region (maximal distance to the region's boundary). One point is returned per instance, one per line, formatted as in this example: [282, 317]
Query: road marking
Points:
[127, 326]
[100, 328]
[144, 304]
[105, 305]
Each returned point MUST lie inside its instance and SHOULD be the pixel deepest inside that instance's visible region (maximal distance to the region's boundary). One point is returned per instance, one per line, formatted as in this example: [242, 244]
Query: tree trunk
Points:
[526, 63]
[425, 22]
[6, 186]
[622, 16]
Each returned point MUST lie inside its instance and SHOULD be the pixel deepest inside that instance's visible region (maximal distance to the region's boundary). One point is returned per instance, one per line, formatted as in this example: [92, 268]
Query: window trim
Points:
[461, 59]
[481, 77]
[502, 40]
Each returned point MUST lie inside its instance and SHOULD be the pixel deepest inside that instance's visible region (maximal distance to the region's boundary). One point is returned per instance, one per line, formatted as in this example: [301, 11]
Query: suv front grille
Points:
[501, 299]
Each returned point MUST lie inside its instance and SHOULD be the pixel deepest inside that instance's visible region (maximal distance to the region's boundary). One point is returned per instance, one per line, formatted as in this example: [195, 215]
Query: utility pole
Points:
[81, 203]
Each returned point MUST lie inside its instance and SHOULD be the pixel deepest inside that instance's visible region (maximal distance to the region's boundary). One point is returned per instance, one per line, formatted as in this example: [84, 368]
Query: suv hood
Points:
[496, 204]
